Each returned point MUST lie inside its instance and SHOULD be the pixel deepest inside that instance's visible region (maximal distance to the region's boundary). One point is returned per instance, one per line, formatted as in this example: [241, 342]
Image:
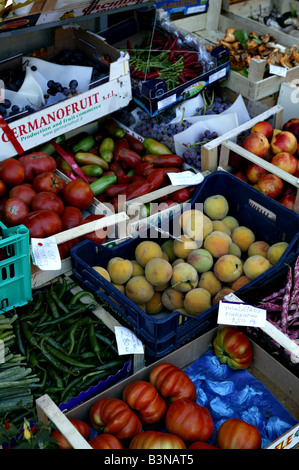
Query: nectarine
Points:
[256, 143]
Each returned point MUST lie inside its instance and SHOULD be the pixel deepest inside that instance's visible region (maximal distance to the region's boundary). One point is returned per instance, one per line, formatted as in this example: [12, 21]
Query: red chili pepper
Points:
[137, 178]
[188, 54]
[135, 144]
[129, 157]
[137, 189]
[181, 195]
[152, 75]
[156, 178]
[141, 167]
[6, 424]
[164, 161]
[189, 74]
[168, 42]
[182, 79]
[118, 145]
[122, 178]
[173, 43]
[114, 189]
[172, 57]
[129, 47]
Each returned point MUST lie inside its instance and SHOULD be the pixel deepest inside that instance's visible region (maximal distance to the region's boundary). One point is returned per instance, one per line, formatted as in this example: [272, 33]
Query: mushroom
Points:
[285, 62]
[229, 35]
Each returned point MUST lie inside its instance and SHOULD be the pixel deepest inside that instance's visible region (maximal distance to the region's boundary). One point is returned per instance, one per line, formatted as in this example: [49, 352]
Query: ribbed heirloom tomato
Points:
[172, 382]
[233, 348]
[157, 440]
[36, 163]
[188, 420]
[81, 426]
[79, 194]
[106, 441]
[42, 223]
[49, 201]
[143, 397]
[234, 433]
[71, 217]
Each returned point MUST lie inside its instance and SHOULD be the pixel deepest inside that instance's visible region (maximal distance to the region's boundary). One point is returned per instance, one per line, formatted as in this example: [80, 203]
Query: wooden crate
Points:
[212, 25]
[279, 381]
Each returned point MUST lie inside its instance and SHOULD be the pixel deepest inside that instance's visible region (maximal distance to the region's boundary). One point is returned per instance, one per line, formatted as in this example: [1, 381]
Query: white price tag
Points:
[277, 70]
[127, 341]
[45, 254]
[240, 314]
[185, 178]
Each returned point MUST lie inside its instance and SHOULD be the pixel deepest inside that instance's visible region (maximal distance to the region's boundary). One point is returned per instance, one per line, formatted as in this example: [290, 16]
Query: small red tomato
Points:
[106, 441]
[24, 192]
[42, 223]
[14, 211]
[157, 440]
[12, 172]
[2, 189]
[172, 382]
[49, 181]
[233, 348]
[71, 217]
[81, 426]
[79, 194]
[202, 445]
[48, 201]
[235, 433]
[190, 421]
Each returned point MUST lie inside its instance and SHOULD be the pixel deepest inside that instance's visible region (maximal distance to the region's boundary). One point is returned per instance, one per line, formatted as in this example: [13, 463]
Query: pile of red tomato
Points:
[166, 402]
[32, 194]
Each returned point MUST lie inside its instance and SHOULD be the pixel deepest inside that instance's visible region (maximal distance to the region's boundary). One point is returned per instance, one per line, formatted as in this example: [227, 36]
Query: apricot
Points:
[184, 277]
[198, 226]
[167, 247]
[197, 301]
[228, 268]
[161, 288]
[158, 271]
[139, 290]
[242, 281]
[147, 250]
[216, 207]
[210, 282]
[120, 287]
[255, 265]
[172, 299]
[178, 261]
[113, 260]
[221, 226]
[275, 251]
[183, 246]
[185, 216]
[138, 270]
[221, 294]
[217, 243]
[231, 222]
[103, 272]
[154, 305]
[243, 237]
[235, 250]
[259, 247]
[165, 255]
[120, 271]
[201, 260]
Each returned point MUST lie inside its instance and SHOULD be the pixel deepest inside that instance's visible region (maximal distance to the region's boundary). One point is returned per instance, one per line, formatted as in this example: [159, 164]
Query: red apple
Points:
[236, 161]
[241, 175]
[270, 185]
[254, 172]
[283, 141]
[263, 127]
[286, 162]
[294, 128]
[256, 143]
[288, 123]
[288, 200]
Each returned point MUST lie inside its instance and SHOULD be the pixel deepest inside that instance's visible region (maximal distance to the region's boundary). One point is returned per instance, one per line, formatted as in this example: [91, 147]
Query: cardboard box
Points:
[212, 25]
[15, 21]
[37, 128]
[279, 381]
[184, 7]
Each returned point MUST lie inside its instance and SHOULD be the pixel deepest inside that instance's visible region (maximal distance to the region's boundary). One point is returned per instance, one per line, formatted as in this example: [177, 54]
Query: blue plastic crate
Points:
[15, 268]
[162, 334]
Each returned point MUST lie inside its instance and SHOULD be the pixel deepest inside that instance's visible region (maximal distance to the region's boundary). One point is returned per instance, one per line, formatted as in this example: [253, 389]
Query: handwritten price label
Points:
[45, 254]
[241, 314]
[127, 341]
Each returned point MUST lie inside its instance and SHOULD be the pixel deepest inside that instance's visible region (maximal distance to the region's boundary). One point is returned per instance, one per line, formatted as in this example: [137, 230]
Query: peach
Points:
[172, 299]
[183, 246]
[161, 288]
[221, 294]
[259, 247]
[197, 301]
[113, 260]
[165, 255]
[154, 305]
[184, 277]
[120, 271]
[285, 161]
[138, 270]
[120, 287]
[254, 172]
[283, 141]
[243, 237]
[209, 281]
[221, 226]
[201, 260]
[231, 221]
[139, 290]
[167, 247]
[256, 143]
[217, 243]
[228, 268]
[240, 175]
[289, 123]
[270, 185]
[276, 251]
[158, 271]
[263, 127]
[146, 250]
[288, 200]
[216, 207]
[242, 281]
[235, 250]
[198, 226]
[178, 261]
[103, 272]
[294, 129]
[255, 265]
[185, 216]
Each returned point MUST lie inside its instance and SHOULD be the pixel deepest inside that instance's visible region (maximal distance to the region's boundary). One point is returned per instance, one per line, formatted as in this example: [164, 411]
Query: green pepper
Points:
[107, 149]
[48, 148]
[100, 185]
[84, 145]
[114, 129]
[92, 170]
